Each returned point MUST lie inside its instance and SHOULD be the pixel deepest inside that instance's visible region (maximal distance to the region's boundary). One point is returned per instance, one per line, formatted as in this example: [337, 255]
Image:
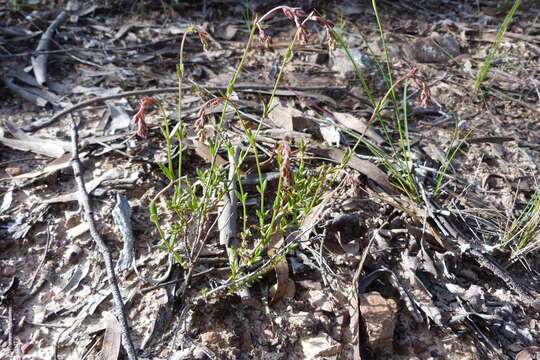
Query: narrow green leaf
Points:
[166, 171]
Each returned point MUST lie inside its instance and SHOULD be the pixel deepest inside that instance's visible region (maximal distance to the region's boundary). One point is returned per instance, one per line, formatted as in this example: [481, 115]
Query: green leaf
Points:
[153, 208]
[293, 246]
[289, 53]
[153, 212]
[241, 197]
[179, 259]
[166, 171]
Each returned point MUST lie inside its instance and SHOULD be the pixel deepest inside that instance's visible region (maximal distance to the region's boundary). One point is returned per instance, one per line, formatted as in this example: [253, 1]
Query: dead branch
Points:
[102, 247]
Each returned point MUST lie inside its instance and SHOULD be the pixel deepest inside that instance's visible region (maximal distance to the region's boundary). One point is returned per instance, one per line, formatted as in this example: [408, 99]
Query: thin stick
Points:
[42, 261]
[11, 344]
[82, 49]
[355, 319]
[84, 201]
[44, 122]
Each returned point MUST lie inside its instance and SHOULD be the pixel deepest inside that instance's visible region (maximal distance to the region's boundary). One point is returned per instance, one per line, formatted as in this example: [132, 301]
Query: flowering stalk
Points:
[180, 74]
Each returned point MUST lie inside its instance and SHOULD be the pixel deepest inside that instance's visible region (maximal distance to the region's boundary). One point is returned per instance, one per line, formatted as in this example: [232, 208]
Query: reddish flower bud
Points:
[285, 169]
[138, 119]
[203, 37]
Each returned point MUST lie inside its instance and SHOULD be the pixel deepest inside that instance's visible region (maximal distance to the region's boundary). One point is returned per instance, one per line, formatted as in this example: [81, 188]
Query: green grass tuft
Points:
[500, 34]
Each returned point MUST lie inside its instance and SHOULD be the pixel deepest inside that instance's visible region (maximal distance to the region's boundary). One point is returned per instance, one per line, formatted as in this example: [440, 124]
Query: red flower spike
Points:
[138, 119]
[321, 21]
[203, 37]
[285, 169]
[296, 14]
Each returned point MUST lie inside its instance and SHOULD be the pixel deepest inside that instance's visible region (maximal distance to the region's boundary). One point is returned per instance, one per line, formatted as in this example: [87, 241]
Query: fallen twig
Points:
[42, 261]
[104, 250]
[355, 318]
[83, 49]
[6, 298]
[44, 122]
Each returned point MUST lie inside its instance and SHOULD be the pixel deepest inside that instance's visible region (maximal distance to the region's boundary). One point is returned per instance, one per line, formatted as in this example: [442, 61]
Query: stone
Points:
[379, 315]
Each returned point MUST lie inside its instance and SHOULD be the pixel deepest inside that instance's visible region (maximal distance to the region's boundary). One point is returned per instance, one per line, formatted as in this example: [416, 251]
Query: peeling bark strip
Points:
[24, 93]
[39, 63]
[363, 166]
[84, 202]
[229, 213]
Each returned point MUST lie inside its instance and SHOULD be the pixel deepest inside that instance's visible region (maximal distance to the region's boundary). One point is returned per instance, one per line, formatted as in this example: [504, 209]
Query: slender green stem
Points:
[181, 74]
[450, 154]
[387, 58]
[217, 143]
[500, 34]
[286, 58]
[275, 209]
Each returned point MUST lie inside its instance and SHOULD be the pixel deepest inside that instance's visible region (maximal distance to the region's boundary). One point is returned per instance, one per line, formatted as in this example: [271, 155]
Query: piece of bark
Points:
[363, 166]
[229, 213]
[39, 62]
[37, 145]
[25, 94]
[112, 338]
[285, 286]
[122, 216]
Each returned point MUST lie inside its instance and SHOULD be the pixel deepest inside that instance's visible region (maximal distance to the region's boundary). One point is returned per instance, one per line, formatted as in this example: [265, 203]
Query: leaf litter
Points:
[433, 279]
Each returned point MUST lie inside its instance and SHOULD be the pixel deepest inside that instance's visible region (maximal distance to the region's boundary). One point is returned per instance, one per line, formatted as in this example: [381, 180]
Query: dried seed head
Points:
[302, 33]
[293, 13]
[412, 73]
[265, 38]
[321, 21]
[199, 124]
[425, 94]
